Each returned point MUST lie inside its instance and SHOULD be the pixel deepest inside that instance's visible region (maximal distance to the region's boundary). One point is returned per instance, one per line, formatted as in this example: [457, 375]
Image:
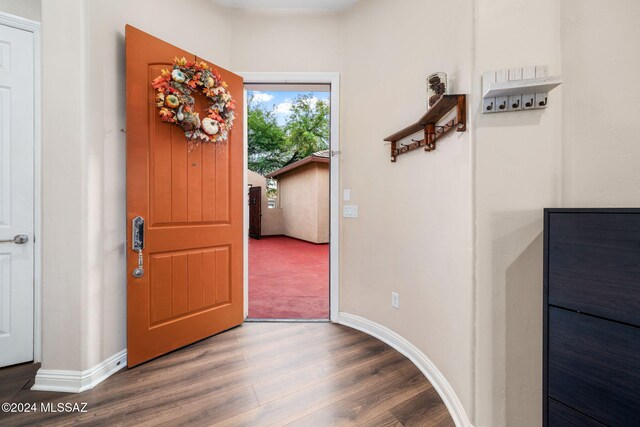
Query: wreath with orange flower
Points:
[176, 104]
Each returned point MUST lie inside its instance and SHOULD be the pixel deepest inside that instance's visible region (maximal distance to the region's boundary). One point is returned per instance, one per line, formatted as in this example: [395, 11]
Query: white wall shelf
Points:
[518, 87]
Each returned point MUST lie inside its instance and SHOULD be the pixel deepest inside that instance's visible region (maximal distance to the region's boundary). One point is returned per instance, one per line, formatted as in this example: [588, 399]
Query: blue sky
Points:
[281, 101]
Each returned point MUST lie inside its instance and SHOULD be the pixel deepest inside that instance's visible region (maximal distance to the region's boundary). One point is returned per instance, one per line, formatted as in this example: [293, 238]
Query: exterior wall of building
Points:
[301, 202]
[272, 219]
[324, 196]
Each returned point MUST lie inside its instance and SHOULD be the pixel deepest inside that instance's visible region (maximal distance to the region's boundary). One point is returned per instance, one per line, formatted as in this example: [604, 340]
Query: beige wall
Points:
[29, 9]
[285, 41]
[581, 152]
[469, 214]
[518, 172]
[414, 231]
[64, 290]
[272, 222]
[256, 180]
[601, 103]
[305, 206]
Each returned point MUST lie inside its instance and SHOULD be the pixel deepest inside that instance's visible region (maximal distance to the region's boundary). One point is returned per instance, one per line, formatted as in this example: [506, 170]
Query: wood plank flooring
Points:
[259, 374]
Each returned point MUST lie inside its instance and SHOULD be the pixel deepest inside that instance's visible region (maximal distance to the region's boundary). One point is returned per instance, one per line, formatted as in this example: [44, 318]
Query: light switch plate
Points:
[346, 196]
[350, 211]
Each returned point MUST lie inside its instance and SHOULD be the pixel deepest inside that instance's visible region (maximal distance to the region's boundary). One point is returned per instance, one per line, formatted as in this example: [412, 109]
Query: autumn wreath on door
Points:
[176, 104]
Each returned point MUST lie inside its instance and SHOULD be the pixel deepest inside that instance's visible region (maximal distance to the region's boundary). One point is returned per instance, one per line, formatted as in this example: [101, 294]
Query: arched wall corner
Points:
[418, 358]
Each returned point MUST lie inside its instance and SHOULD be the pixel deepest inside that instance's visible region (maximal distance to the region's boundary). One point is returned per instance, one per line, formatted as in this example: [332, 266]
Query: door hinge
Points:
[335, 153]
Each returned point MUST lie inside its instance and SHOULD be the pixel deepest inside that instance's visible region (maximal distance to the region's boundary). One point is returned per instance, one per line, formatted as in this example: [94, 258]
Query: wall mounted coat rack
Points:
[429, 124]
[516, 89]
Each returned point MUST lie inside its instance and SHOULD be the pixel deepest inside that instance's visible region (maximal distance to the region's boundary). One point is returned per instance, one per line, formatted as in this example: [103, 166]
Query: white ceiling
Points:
[288, 4]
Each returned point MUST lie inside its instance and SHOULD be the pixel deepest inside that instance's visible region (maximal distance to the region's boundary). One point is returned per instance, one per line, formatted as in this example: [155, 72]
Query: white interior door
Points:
[16, 195]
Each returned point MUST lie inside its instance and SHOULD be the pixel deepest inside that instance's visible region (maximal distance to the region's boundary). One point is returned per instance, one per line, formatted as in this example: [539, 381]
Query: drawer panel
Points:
[594, 366]
[563, 416]
[594, 264]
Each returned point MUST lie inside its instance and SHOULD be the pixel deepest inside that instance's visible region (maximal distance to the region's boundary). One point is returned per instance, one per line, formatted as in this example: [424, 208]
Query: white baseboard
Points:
[418, 358]
[79, 381]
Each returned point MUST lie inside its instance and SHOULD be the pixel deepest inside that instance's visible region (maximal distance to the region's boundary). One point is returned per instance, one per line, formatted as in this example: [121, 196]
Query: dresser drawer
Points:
[563, 416]
[594, 366]
[594, 264]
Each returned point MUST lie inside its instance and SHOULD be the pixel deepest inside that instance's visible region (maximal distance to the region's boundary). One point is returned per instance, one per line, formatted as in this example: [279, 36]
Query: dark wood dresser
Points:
[591, 317]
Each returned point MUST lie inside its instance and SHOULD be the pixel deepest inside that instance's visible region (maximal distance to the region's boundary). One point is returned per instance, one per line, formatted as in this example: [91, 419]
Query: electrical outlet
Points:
[395, 300]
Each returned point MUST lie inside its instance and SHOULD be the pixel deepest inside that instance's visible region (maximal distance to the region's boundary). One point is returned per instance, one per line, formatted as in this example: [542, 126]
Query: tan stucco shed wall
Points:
[323, 187]
[304, 199]
[272, 223]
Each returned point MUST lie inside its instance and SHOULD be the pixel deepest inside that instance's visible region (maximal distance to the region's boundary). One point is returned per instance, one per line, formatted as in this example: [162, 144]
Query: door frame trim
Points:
[334, 205]
[34, 27]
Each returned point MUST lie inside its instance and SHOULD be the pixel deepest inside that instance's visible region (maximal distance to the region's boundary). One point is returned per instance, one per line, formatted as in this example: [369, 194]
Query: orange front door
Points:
[191, 203]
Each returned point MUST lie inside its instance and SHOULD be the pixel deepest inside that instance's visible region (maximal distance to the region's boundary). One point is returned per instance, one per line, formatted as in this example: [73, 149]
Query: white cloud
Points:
[260, 97]
[284, 107]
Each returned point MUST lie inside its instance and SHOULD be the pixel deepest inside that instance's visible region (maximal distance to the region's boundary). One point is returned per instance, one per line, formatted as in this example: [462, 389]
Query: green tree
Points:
[305, 132]
[307, 128]
[267, 149]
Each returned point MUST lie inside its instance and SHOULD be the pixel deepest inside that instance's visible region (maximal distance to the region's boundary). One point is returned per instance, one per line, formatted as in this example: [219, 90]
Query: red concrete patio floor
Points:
[288, 279]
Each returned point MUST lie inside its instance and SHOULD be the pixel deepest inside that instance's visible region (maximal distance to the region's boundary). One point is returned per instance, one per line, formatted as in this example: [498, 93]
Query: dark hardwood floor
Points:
[259, 374]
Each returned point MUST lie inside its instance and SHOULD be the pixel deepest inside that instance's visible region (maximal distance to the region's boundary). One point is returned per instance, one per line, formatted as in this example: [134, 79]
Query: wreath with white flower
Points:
[176, 104]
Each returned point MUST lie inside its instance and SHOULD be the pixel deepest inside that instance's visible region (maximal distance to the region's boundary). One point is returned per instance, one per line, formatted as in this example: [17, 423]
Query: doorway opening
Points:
[289, 188]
